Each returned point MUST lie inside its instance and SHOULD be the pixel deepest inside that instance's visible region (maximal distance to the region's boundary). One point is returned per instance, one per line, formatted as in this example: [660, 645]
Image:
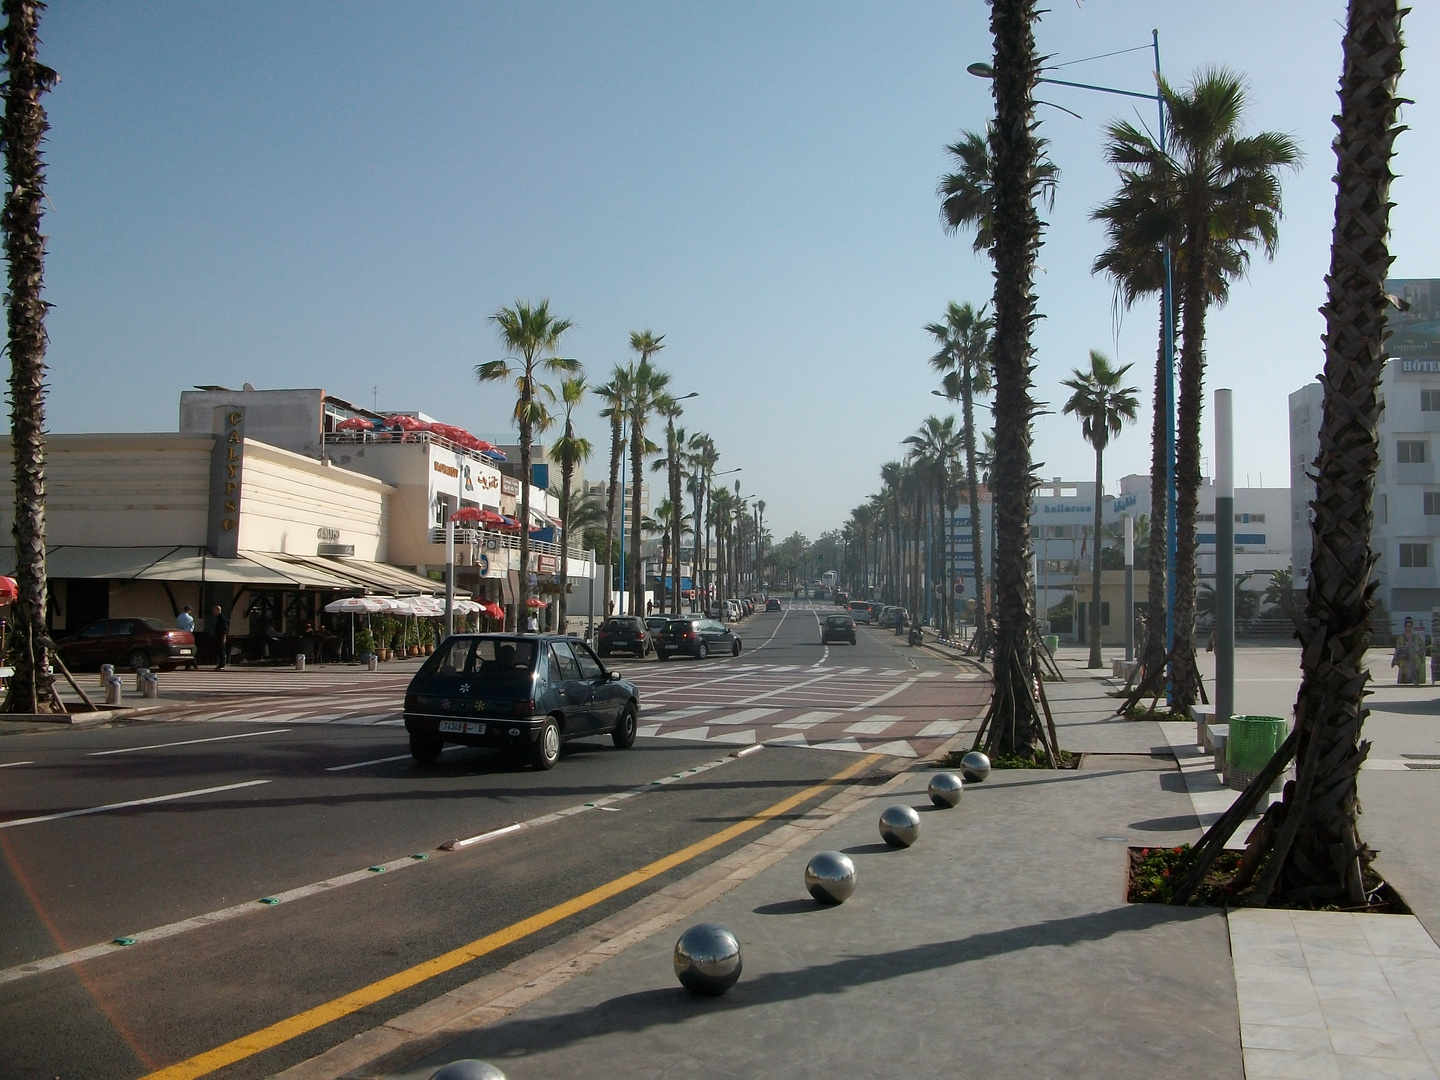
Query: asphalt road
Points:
[226, 808]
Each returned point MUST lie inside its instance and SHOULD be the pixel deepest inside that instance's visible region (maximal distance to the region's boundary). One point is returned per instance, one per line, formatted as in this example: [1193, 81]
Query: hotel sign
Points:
[1420, 367]
[227, 474]
[509, 485]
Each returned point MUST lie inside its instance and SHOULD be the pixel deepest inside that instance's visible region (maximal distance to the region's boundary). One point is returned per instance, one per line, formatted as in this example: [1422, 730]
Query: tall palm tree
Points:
[890, 474]
[1309, 843]
[533, 333]
[934, 450]
[647, 384]
[615, 394]
[671, 409]
[1217, 193]
[1103, 406]
[32, 686]
[1012, 724]
[571, 451]
[703, 459]
[964, 356]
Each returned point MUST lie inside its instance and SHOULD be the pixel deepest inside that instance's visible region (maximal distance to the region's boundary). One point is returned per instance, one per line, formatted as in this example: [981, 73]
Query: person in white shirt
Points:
[185, 620]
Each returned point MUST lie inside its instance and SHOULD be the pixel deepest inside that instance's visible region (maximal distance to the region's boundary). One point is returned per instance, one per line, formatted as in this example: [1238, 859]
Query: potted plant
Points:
[364, 645]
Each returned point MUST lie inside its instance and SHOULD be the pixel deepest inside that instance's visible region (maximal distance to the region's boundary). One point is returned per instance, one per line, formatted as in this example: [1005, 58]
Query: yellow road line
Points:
[299, 1024]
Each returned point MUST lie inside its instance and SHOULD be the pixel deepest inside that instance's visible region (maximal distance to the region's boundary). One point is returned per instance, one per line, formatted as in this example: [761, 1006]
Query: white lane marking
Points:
[90, 952]
[848, 745]
[941, 727]
[783, 613]
[646, 731]
[898, 748]
[788, 740]
[12, 764]
[874, 726]
[129, 802]
[809, 719]
[824, 655]
[745, 716]
[377, 761]
[742, 738]
[783, 689]
[884, 697]
[186, 742]
[695, 734]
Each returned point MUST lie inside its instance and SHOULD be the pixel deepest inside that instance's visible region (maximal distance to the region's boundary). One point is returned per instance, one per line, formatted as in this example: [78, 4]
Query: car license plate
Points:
[183, 652]
[461, 727]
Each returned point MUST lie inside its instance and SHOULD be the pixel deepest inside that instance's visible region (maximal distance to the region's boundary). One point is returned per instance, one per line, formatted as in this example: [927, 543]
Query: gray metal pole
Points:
[1129, 588]
[449, 576]
[590, 626]
[1224, 560]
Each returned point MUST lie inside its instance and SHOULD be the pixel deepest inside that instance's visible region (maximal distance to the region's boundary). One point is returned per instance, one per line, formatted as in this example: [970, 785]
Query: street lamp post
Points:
[1167, 329]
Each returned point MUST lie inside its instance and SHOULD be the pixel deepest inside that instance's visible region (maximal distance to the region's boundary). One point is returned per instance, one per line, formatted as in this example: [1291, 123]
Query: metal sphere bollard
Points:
[707, 959]
[945, 789]
[830, 877]
[106, 670]
[113, 690]
[975, 766]
[467, 1069]
[899, 825]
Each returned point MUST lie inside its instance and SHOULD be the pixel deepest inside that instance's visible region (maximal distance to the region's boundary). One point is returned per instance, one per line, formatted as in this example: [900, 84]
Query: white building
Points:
[1407, 489]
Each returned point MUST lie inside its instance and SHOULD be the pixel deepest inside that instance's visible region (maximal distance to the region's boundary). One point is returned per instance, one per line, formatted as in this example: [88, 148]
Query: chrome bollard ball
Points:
[707, 959]
[468, 1069]
[899, 825]
[975, 766]
[945, 789]
[830, 877]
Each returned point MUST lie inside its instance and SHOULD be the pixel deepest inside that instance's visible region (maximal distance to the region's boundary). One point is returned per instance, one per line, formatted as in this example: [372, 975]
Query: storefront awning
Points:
[364, 574]
[311, 577]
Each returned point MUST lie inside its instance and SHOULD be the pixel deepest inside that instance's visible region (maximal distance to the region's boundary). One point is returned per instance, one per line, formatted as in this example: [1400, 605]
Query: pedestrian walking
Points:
[220, 634]
[185, 620]
[532, 626]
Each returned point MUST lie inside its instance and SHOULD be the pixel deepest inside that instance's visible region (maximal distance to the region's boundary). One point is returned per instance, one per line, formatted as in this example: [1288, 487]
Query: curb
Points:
[412, 1035]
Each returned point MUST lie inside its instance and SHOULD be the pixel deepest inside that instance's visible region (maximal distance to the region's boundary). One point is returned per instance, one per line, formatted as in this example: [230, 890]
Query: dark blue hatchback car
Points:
[520, 692]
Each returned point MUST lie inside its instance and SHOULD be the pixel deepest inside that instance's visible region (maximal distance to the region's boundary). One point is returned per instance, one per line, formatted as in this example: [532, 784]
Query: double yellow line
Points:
[299, 1024]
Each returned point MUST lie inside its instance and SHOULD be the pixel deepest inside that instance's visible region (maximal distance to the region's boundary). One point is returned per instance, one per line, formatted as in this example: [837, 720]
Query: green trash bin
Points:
[1252, 743]
[1052, 642]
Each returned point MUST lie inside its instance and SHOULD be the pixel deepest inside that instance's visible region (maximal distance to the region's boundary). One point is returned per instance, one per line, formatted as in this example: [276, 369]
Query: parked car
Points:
[135, 643]
[748, 604]
[528, 693]
[731, 611]
[773, 604]
[837, 628]
[890, 614]
[843, 599]
[623, 633]
[861, 611]
[654, 624]
[698, 638]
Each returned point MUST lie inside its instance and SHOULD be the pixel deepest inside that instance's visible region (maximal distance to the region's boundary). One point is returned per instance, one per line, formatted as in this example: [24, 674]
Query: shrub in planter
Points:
[364, 644]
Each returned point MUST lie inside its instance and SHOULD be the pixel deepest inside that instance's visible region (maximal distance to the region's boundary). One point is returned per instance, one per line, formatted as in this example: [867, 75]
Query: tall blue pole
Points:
[1167, 333]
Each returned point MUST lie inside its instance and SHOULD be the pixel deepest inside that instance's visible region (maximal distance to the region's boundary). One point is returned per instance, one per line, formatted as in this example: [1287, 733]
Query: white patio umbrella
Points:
[357, 605]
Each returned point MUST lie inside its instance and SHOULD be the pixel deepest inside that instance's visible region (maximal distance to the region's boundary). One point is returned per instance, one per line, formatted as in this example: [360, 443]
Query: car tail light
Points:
[524, 707]
[689, 635]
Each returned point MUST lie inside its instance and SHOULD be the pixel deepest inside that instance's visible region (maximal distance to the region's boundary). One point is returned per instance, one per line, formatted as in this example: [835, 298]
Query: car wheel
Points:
[624, 734]
[702, 652]
[139, 658]
[735, 648]
[546, 750]
[424, 750]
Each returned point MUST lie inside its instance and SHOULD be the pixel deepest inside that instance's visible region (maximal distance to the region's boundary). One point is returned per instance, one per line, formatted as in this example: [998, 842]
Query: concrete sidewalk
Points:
[999, 945]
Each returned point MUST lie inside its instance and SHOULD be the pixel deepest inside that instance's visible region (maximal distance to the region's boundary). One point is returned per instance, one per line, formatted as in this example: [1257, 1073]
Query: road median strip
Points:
[301, 1023]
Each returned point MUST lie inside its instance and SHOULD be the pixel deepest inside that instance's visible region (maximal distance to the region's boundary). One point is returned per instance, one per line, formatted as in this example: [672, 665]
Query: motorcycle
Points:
[917, 636]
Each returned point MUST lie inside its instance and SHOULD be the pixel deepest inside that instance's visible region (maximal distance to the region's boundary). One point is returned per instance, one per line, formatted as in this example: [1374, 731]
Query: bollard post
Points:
[106, 670]
[140, 674]
[150, 688]
[374, 664]
[299, 661]
[113, 692]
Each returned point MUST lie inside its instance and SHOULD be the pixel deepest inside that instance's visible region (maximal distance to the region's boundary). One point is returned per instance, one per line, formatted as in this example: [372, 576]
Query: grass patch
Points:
[1156, 871]
[1068, 760]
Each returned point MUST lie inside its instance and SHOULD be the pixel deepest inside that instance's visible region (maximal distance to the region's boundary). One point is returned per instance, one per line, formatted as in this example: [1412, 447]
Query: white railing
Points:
[490, 540]
[386, 435]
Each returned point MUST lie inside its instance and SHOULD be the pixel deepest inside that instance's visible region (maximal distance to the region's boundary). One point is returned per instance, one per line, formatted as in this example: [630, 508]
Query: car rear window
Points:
[482, 656]
[621, 624]
[840, 621]
[679, 626]
[155, 624]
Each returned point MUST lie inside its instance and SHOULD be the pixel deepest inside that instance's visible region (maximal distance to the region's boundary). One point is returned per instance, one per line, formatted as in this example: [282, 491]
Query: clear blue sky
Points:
[338, 195]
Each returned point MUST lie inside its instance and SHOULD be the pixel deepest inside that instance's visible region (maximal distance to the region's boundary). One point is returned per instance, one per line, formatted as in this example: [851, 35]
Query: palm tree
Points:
[890, 474]
[703, 459]
[671, 408]
[1280, 593]
[570, 450]
[933, 450]
[585, 517]
[967, 196]
[1012, 725]
[1103, 406]
[964, 356]
[534, 334]
[32, 686]
[1217, 194]
[615, 394]
[1309, 843]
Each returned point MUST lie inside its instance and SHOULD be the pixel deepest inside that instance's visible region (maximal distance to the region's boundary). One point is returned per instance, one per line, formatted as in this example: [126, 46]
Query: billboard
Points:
[1415, 334]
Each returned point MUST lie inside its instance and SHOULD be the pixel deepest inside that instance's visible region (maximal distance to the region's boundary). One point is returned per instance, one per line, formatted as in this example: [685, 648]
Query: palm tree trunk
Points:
[617, 442]
[1013, 722]
[522, 607]
[1095, 604]
[677, 531]
[1183, 673]
[565, 472]
[637, 477]
[972, 485]
[32, 687]
[1156, 644]
[1315, 852]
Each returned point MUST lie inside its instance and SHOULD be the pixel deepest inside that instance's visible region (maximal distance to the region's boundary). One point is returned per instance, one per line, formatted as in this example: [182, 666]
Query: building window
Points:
[1410, 451]
[1384, 509]
[1430, 400]
[1060, 532]
[1414, 555]
[1432, 503]
[1034, 532]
